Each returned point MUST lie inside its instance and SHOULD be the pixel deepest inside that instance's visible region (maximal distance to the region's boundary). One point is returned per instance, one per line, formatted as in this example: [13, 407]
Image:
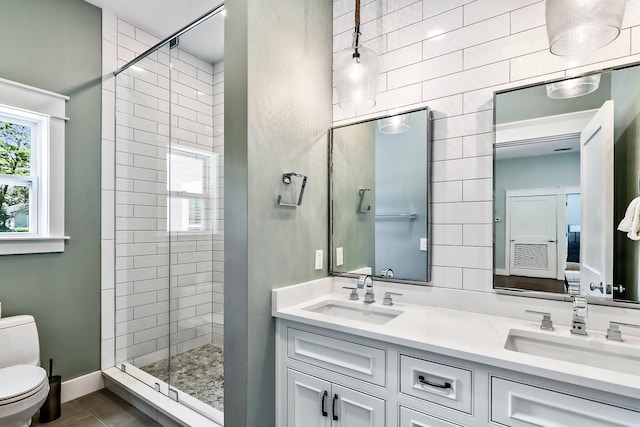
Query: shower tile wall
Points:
[141, 282]
[451, 55]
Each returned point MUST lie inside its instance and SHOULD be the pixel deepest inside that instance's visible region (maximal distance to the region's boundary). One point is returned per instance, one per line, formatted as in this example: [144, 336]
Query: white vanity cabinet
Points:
[312, 402]
[522, 405]
[324, 374]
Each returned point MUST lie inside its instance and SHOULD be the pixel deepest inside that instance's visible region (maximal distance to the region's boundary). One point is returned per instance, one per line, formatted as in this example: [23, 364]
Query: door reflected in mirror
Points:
[565, 171]
[379, 197]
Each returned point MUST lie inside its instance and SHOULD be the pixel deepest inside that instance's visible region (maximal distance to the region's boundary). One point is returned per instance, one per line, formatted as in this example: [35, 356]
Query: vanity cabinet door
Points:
[305, 398]
[355, 409]
[312, 402]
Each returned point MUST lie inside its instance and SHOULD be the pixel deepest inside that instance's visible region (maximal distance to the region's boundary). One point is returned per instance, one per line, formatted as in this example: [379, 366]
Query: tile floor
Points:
[99, 409]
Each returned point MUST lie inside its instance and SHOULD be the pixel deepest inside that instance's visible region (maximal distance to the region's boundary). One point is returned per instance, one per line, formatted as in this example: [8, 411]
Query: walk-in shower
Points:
[169, 169]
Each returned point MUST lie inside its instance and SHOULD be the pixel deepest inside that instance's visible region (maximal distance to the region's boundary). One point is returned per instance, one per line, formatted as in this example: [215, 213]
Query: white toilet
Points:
[23, 384]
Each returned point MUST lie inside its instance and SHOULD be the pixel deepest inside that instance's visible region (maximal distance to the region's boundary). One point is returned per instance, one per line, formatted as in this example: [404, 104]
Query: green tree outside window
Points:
[15, 159]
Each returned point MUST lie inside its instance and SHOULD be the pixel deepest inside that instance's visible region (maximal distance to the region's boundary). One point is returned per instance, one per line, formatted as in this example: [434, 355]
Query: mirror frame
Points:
[539, 294]
[429, 159]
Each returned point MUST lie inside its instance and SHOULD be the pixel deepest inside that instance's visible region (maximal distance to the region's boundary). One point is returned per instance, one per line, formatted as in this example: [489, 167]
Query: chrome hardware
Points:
[580, 311]
[354, 293]
[547, 323]
[123, 367]
[611, 288]
[173, 394]
[386, 272]
[286, 179]
[574, 289]
[600, 287]
[387, 298]
[156, 386]
[409, 216]
[614, 334]
[362, 284]
[362, 193]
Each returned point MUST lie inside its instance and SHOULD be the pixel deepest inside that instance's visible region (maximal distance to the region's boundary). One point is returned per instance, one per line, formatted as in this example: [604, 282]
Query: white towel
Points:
[631, 221]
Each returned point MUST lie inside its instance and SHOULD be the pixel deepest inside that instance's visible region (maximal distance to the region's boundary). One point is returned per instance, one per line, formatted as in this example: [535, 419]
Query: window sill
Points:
[18, 245]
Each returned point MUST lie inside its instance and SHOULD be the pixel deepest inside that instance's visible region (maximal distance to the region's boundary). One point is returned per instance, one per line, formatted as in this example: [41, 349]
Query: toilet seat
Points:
[19, 382]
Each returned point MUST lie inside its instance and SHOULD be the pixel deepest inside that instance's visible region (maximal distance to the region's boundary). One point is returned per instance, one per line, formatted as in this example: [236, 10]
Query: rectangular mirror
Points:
[566, 168]
[380, 197]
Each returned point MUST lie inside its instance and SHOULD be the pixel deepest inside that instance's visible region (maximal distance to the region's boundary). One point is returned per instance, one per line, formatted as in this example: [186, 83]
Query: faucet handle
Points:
[614, 334]
[354, 292]
[547, 323]
[387, 298]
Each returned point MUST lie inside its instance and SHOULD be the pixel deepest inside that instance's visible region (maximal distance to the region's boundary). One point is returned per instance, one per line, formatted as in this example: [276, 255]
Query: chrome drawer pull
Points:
[421, 380]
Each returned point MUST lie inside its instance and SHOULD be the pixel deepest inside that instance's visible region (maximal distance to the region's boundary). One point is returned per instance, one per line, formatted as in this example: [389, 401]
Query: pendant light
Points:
[573, 88]
[394, 124]
[576, 27]
[356, 72]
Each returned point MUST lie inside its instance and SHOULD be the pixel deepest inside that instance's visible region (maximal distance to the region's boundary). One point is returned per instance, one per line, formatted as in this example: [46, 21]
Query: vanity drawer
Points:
[344, 357]
[411, 418]
[516, 404]
[441, 384]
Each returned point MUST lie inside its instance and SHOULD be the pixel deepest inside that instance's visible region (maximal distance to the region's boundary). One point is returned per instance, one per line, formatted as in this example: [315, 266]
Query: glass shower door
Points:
[142, 241]
[169, 224]
[195, 234]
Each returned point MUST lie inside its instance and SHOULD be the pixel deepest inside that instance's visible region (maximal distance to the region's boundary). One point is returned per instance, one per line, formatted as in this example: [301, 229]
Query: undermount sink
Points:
[355, 311]
[621, 357]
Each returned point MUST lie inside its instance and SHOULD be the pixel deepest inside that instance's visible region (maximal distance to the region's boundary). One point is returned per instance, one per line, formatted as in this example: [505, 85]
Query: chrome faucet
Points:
[362, 284]
[580, 311]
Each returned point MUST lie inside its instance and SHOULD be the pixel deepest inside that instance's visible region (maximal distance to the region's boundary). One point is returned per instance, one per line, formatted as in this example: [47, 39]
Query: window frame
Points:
[209, 189]
[43, 111]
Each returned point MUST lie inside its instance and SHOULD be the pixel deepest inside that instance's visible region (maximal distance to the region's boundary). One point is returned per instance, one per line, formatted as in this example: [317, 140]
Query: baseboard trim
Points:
[501, 272]
[81, 386]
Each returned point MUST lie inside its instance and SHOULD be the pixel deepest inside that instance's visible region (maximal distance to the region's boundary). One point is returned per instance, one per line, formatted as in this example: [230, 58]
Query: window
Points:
[31, 169]
[21, 141]
[192, 188]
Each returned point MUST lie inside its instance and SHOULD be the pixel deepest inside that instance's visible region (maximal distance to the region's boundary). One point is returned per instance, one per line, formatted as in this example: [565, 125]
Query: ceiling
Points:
[164, 17]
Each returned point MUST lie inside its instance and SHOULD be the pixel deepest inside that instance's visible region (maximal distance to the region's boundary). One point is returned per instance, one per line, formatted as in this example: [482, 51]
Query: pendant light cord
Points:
[356, 33]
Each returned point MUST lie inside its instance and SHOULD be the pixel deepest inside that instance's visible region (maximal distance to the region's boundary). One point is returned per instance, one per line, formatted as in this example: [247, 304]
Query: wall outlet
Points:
[423, 244]
[319, 259]
[339, 256]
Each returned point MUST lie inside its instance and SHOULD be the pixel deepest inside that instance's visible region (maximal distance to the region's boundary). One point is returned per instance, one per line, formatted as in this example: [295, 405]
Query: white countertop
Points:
[471, 336]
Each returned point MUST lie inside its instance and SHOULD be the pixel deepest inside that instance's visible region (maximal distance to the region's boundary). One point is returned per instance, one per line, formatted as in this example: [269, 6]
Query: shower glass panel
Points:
[142, 242]
[169, 205]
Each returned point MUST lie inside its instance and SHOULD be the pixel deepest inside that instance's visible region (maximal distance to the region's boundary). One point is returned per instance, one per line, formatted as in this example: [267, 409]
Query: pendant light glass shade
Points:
[357, 78]
[575, 27]
[574, 87]
[394, 124]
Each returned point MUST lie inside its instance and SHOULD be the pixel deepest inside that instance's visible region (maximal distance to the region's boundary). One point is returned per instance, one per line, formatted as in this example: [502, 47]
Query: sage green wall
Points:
[532, 102]
[354, 149]
[625, 90]
[278, 100]
[56, 45]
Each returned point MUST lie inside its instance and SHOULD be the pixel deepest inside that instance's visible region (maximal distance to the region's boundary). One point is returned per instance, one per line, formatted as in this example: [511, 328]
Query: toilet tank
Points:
[19, 343]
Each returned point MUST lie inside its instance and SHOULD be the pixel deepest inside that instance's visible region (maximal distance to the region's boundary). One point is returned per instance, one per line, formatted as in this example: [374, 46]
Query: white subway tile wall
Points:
[452, 55]
[158, 286]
